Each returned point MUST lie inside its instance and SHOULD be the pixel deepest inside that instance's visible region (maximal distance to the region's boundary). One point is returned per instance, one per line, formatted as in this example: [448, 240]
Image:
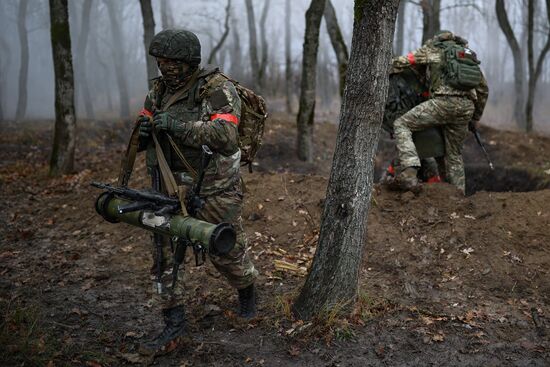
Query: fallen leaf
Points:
[438, 337]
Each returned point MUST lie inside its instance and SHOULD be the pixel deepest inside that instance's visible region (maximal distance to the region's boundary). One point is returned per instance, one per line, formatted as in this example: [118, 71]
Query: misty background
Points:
[113, 73]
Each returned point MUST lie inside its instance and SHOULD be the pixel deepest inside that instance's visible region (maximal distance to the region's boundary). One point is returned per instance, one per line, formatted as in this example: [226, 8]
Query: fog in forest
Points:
[109, 65]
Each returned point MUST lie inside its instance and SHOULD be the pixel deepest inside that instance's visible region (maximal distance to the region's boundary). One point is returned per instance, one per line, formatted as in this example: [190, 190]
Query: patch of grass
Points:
[284, 306]
[22, 337]
[368, 307]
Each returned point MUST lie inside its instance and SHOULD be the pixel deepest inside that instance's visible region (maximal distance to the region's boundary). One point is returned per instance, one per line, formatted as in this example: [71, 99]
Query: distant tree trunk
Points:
[24, 62]
[148, 33]
[338, 44]
[534, 70]
[64, 141]
[288, 59]
[431, 21]
[306, 110]
[165, 15]
[399, 47]
[333, 278]
[236, 56]
[253, 45]
[104, 72]
[119, 58]
[4, 62]
[263, 38]
[519, 78]
[219, 45]
[81, 59]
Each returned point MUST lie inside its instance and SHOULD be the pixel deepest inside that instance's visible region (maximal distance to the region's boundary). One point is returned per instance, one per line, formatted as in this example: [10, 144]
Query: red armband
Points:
[410, 57]
[145, 112]
[225, 116]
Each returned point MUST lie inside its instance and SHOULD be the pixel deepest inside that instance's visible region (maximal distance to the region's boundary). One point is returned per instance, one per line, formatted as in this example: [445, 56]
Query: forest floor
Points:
[446, 280]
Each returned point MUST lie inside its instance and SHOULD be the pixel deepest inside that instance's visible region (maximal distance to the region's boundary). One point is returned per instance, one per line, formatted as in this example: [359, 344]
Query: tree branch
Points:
[224, 35]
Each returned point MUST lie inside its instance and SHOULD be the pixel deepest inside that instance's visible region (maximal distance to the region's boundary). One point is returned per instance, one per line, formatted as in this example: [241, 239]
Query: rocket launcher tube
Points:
[217, 239]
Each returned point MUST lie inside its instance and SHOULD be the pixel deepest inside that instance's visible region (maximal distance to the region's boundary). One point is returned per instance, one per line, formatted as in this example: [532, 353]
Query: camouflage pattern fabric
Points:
[452, 113]
[212, 121]
[450, 108]
[235, 266]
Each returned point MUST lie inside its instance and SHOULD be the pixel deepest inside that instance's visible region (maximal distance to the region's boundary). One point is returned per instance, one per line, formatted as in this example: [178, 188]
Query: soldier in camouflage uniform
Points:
[196, 106]
[452, 109]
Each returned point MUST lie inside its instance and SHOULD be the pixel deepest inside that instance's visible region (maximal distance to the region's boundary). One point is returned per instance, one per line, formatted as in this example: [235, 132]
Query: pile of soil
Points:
[446, 279]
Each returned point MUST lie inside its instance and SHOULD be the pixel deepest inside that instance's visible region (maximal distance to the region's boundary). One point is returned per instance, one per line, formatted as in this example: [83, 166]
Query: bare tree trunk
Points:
[119, 58]
[306, 110]
[288, 59]
[236, 56]
[24, 52]
[400, 36]
[165, 14]
[219, 45]
[148, 34]
[534, 71]
[104, 73]
[504, 24]
[64, 141]
[333, 278]
[4, 62]
[263, 61]
[338, 43]
[253, 48]
[81, 59]
[431, 21]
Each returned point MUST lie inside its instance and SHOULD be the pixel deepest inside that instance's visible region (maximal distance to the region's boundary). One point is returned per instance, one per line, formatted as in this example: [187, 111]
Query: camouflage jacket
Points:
[430, 56]
[208, 113]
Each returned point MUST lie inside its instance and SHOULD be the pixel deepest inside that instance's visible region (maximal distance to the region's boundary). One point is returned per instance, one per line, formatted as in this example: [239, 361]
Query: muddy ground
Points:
[446, 280]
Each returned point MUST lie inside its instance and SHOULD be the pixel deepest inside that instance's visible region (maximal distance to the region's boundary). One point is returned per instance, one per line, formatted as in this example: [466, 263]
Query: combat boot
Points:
[170, 337]
[247, 302]
[407, 180]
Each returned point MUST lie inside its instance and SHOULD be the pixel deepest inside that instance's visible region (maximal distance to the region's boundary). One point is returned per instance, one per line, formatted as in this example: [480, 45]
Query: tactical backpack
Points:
[253, 116]
[460, 66]
[405, 91]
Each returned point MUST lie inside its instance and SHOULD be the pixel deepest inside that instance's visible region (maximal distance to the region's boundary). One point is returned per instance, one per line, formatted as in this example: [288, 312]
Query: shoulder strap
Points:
[128, 159]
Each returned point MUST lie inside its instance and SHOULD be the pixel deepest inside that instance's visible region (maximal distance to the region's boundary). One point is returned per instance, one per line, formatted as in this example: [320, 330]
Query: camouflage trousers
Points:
[235, 266]
[452, 113]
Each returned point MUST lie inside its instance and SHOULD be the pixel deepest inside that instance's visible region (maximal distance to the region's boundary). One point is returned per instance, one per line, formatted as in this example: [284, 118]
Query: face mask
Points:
[174, 73]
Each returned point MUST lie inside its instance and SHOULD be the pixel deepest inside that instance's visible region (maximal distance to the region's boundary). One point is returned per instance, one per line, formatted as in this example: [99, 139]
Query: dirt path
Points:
[446, 280]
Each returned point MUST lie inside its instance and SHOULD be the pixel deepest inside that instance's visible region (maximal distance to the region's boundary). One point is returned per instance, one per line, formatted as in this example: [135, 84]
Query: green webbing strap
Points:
[128, 158]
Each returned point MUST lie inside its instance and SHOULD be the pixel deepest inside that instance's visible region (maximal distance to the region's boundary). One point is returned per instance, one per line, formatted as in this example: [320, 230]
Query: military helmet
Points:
[177, 44]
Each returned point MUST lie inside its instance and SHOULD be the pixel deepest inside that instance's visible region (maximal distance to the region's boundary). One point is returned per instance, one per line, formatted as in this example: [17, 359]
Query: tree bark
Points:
[338, 44]
[165, 14]
[24, 62]
[534, 70]
[288, 59]
[253, 45]
[64, 141]
[4, 62]
[263, 38]
[148, 34]
[81, 59]
[219, 45]
[119, 59]
[306, 110]
[431, 10]
[399, 47]
[506, 28]
[236, 56]
[333, 278]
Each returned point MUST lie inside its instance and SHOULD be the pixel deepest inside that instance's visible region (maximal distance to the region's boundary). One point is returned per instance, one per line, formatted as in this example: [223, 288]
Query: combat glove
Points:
[165, 121]
[145, 126]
